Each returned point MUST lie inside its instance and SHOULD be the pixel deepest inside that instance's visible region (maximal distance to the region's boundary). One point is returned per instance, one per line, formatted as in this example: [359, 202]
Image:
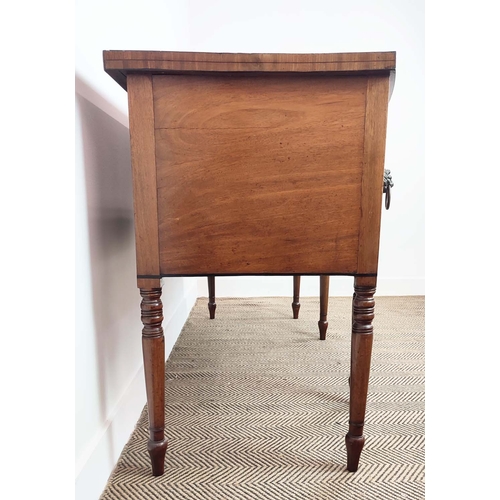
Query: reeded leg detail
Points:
[153, 348]
[324, 285]
[352, 322]
[363, 312]
[211, 296]
[296, 294]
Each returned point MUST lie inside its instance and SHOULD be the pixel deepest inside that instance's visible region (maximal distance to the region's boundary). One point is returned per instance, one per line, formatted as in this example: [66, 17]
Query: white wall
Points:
[340, 26]
[109, 379]
[110, 390]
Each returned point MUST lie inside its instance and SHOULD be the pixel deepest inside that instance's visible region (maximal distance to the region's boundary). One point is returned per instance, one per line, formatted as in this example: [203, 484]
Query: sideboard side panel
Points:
[259, 174]
[377, 99]
[142, 143]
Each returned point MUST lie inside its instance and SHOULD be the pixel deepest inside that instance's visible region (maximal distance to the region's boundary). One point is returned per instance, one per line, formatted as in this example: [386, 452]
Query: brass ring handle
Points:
[388, 184]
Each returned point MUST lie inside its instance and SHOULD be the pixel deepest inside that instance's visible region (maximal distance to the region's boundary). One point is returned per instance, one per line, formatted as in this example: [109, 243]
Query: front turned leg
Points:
[363, 311]
[296, 293]
[211, 296]
[153, 348]
[324, 285]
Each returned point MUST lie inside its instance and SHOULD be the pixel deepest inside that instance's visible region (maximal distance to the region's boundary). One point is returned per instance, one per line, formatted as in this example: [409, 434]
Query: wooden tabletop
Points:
[119, 63]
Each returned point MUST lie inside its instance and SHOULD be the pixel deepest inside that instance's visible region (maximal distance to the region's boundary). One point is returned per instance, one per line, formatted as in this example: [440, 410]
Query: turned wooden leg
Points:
[211, 296]
[153, 348]
[324, 285]
[296, 294]
[363, 311]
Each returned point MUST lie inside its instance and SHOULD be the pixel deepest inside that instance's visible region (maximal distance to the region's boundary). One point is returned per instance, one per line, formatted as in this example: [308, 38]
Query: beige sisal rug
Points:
[257, 407]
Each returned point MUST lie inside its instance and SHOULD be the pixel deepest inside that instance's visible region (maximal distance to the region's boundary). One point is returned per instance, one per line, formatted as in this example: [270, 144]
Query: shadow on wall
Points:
[116, 301]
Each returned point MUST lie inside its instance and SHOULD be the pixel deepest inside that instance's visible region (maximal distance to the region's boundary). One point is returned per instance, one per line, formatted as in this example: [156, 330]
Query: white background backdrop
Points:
[109, 376]
[37, 211]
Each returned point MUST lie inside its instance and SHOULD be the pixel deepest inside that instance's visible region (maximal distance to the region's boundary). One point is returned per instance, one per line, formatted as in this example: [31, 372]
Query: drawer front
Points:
[259, 174]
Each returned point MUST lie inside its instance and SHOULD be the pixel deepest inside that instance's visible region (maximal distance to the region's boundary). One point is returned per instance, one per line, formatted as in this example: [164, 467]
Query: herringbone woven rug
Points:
[257, 407]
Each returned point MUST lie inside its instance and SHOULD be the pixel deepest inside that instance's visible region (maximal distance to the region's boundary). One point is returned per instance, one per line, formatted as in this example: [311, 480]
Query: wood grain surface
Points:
[254, 171]
[142, 145]
[119, 63]
[373, 173]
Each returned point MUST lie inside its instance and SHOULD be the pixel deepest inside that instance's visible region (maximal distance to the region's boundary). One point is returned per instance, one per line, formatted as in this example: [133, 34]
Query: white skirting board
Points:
[104, 450]
[282, 286]
[95, 466]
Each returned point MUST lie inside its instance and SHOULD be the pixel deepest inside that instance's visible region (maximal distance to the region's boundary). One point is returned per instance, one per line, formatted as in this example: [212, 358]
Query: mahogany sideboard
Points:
[256, 164]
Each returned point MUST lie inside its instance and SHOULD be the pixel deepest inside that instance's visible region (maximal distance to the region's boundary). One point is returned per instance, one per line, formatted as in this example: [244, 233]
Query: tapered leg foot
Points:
[363, 312]
[296, 294]
[354, 445]
[157, 451]
[323, 327]
[324, 285]
[211, 296]
[153, 348]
